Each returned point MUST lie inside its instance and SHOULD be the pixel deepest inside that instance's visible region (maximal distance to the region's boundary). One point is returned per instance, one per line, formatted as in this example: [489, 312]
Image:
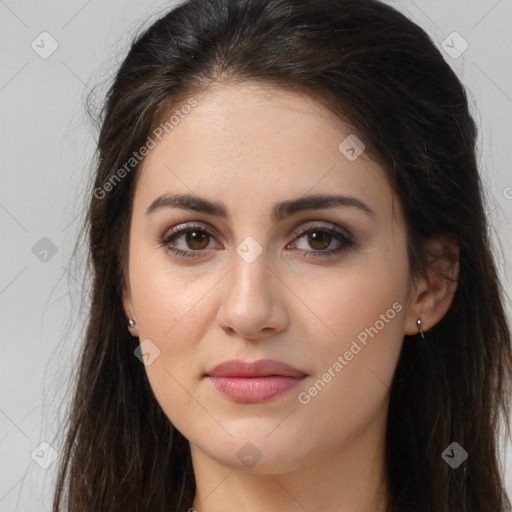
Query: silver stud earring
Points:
[419, 329]
[131, 323]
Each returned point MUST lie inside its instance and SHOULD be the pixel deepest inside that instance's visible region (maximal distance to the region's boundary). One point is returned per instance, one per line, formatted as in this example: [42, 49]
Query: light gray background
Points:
[47, 145]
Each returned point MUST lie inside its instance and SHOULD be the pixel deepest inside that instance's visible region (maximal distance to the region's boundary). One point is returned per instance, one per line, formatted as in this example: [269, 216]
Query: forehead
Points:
[254, 143]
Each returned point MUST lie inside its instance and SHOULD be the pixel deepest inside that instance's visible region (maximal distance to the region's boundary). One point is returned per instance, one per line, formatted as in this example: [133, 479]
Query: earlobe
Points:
[434, 293]
[128, 309]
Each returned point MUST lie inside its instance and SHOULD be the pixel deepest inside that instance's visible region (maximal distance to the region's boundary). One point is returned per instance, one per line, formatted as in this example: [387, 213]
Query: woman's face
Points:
[265, 274]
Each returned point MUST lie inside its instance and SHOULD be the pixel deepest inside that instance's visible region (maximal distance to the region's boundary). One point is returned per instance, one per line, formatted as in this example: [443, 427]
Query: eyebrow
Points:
[280, 210]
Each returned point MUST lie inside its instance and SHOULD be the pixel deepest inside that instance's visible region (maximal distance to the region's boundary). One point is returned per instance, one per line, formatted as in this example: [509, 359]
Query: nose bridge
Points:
[251, 275]
[251, 301]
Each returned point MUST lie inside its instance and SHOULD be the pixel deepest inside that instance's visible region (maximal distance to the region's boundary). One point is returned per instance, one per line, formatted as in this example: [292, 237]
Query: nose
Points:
[253, 302]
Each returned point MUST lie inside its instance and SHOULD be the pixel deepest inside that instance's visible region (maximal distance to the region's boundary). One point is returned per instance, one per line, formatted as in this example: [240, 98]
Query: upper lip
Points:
[260, 368]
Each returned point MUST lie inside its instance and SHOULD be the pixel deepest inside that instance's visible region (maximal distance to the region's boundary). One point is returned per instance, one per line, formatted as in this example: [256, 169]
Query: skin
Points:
[250, 146]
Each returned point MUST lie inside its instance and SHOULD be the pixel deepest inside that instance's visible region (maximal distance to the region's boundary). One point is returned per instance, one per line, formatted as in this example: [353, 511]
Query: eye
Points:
[190, 241]
[194, 239]
[320, 238]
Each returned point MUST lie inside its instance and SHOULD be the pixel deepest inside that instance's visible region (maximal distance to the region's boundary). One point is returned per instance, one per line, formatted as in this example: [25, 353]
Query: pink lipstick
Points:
[254, 382]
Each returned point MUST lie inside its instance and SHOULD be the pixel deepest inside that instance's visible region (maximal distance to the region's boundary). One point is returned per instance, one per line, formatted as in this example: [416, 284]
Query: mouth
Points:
[254, 382]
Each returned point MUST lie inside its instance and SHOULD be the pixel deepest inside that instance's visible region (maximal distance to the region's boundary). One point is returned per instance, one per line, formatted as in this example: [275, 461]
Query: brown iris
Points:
[197, 237]
[319, 239]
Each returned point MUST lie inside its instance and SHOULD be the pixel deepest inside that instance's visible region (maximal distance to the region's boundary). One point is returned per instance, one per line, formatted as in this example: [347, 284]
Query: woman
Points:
[295, 305]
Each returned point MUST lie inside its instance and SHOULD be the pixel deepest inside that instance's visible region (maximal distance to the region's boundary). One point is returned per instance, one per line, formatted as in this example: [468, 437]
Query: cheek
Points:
[171, 312]
[168, 301]
[354, 297]
[364, 306]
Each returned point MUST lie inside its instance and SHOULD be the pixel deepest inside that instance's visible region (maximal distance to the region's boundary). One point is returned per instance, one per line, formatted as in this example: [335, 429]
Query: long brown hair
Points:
[380, 72]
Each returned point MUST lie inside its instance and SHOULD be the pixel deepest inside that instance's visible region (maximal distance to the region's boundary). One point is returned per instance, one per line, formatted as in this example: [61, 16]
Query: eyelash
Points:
[175, 233]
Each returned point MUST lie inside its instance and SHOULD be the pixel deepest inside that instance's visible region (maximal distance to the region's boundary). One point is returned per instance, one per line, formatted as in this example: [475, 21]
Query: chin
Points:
[257, 455]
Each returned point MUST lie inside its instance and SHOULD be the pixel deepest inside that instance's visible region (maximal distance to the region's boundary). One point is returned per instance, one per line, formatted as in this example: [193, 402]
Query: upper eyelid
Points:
[310, 225]
[180, 229]
[303, 228]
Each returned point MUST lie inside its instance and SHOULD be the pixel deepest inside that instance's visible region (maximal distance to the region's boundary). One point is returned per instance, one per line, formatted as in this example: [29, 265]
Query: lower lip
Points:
[254, 390]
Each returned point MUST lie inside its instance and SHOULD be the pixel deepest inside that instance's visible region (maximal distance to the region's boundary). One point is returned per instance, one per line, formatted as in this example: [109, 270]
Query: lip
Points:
[254, 382]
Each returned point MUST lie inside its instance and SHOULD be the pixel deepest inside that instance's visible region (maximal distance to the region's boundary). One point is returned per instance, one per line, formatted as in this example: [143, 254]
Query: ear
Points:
[433, 293]
[128, 309]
